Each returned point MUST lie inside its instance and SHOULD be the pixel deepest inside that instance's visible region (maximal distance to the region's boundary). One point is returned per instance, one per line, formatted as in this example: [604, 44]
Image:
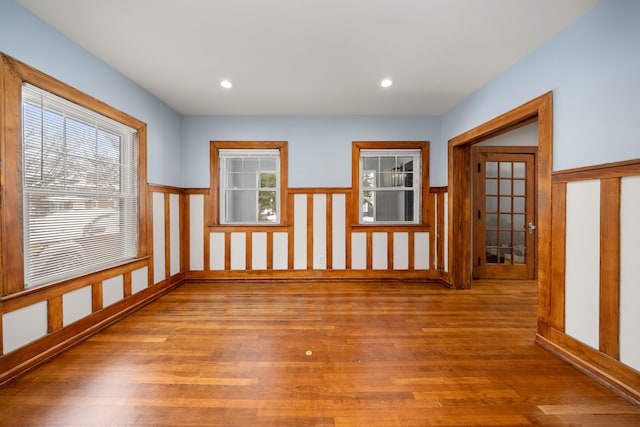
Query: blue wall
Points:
[319, 146]
[34, 42]
[593, 69]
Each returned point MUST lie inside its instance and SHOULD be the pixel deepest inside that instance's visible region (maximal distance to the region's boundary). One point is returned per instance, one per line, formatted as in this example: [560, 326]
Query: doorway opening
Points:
[540, 111]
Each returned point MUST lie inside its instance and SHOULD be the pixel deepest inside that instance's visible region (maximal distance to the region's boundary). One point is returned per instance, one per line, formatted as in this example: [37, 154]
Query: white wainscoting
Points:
[22, 326]
[112, 290]
[76, 305]
[582, 261]
[280, 251]
[338, 232]
[159, 221]
[174, 234]
[196, 232]
[630, 271]
[300, 231]
[319, 231]
[319, 237]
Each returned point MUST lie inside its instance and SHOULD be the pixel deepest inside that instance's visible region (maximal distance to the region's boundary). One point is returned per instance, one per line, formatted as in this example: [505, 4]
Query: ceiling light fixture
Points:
[386, 83]
[226, 84]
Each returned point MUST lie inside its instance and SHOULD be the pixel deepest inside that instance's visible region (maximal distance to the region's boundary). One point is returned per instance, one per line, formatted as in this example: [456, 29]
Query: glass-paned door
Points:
[504, 213]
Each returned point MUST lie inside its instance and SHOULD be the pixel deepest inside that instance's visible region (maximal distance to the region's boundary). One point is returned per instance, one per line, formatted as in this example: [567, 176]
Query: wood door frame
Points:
[538, 110]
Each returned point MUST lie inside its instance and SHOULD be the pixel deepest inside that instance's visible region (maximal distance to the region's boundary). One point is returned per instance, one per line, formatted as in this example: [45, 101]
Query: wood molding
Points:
[610, 267]
[606, 170]
[540, 110]
[427, 276]
[160, 188]
[423, 146]
[596, 365]
[558, 255]
[34, 354]
[32, 296]
[54, 314]
[212, 206]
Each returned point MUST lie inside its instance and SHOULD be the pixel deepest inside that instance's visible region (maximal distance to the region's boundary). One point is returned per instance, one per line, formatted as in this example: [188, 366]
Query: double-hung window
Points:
[390, 182]
[80, 189]
[249, 186]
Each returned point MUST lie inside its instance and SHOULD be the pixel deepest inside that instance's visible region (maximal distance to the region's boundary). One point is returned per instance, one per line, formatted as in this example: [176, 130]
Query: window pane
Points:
[234, 165]
[505, 256]
[519, 170]
[518, 204]
[393, 206]
[234, 180]
[368, 179]
[492, 256]
[505, 238]
[267, 180]
[492, 238]
[505, 186]
[518, 222]
[267, 206]
[386, 180]
[505, 169]
[387, 164]
[268, 164]
[505, 204]
[370, 164]
[250, 164]
[518, 187]
[491, 169]
[492, 221]
[249, 180]
[241, 206]
[367, 206]
[491, 186]
[492, 204]
[505, 222]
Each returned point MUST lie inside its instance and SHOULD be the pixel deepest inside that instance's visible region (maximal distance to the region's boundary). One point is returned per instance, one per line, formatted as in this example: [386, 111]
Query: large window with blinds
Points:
[80, 189]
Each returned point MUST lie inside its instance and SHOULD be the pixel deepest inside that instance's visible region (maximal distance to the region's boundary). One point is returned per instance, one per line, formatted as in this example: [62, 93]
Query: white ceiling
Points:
[310, 56]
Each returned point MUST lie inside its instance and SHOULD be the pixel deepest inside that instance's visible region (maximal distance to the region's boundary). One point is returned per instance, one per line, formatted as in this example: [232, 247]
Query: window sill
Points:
[248, 227]
[390, 227]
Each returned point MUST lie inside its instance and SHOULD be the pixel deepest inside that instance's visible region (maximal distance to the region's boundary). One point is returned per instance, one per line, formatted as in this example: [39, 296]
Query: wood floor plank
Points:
[317, 354]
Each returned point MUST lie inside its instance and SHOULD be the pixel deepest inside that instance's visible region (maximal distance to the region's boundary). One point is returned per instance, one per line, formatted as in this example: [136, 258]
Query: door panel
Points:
[504, 212]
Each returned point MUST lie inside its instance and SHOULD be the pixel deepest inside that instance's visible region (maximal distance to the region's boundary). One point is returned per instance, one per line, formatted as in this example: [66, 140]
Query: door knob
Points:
[532, 227]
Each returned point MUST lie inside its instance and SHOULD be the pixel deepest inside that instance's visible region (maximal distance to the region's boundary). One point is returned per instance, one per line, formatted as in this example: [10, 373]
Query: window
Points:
[80, 189]
[391, 181]
[249, 182]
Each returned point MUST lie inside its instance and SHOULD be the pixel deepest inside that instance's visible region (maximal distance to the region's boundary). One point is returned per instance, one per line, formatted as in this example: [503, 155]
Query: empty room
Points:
[319, 213]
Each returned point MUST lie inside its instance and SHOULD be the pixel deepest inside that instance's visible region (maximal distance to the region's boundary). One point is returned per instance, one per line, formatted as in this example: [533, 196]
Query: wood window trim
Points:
[213, 206]
[12, 74]
[357, 146]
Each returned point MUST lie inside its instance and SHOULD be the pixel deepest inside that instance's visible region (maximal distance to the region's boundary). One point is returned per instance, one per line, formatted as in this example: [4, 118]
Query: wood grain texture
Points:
[381, 355]
[610, 267]
[558, 256]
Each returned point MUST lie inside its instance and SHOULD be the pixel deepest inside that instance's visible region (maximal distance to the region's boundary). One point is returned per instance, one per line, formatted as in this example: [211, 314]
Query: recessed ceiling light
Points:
[386, 83]
[226, 84]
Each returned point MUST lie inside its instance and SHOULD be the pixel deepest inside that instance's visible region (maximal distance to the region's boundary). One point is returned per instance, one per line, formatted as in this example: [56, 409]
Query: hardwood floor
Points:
[317, 354]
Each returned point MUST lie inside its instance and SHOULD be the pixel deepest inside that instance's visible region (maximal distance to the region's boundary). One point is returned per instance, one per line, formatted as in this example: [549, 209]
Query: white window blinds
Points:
[80, 189]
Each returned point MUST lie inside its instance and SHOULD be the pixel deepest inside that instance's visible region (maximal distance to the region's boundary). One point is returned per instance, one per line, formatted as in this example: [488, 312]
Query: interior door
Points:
[504, 229]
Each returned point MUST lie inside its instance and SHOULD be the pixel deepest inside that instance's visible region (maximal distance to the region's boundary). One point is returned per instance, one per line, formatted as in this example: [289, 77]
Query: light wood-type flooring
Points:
[317, 354]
